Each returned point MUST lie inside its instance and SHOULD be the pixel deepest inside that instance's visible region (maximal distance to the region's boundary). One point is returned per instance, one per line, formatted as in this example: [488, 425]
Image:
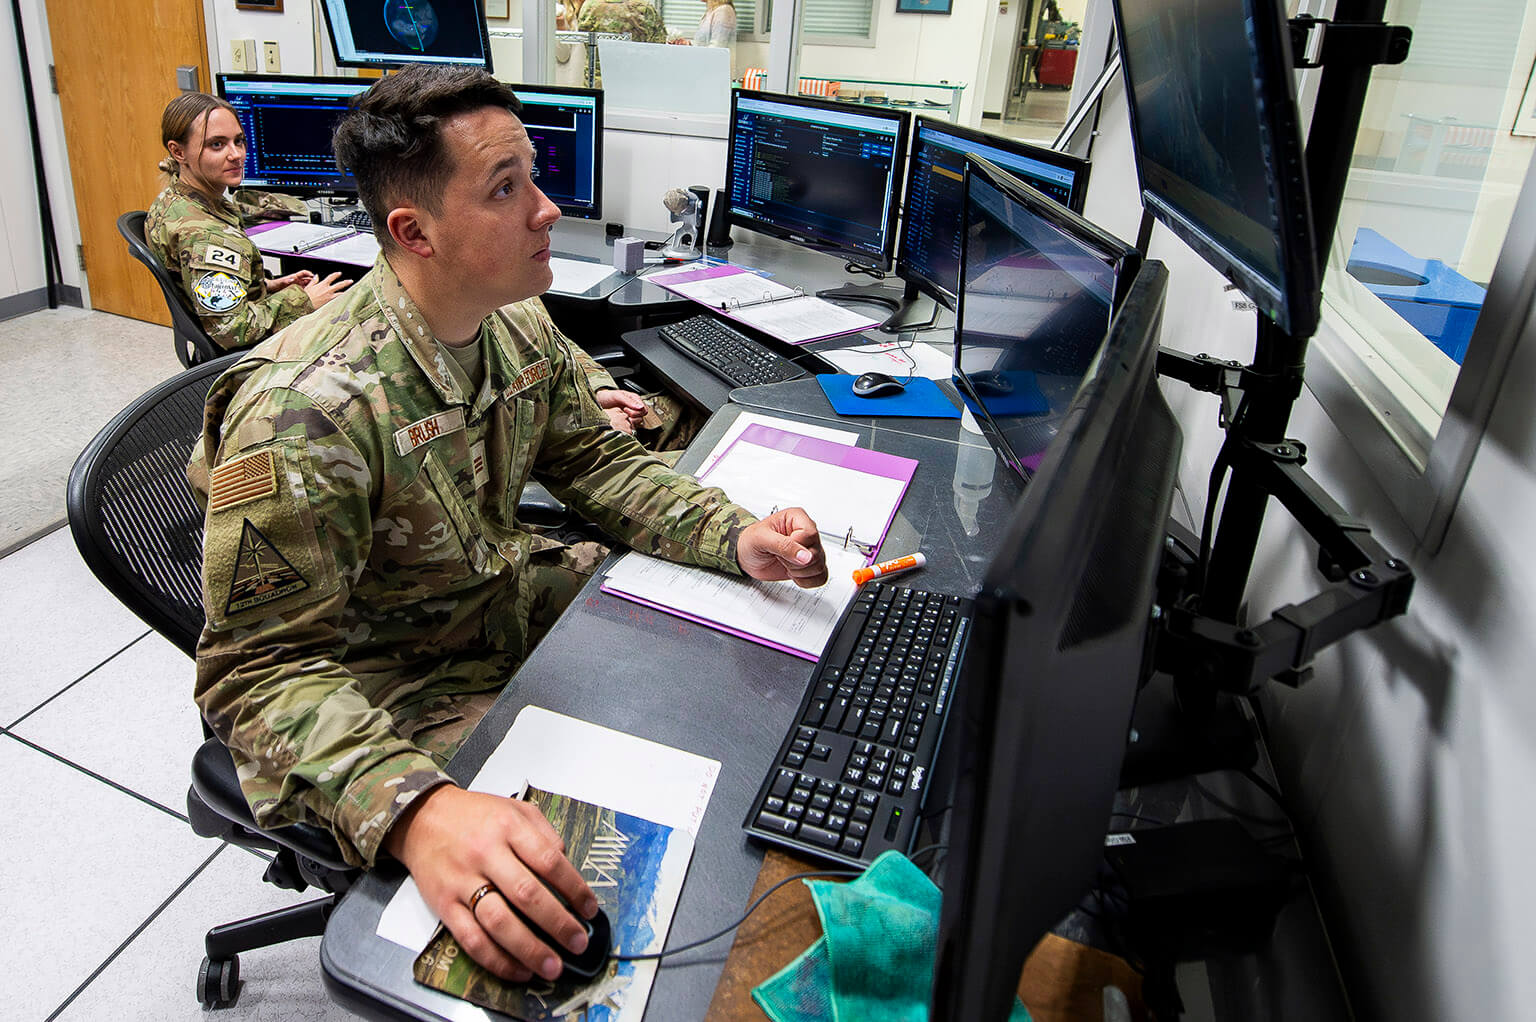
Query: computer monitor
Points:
[389, 33]
[822, 174]
[289, 121]
[929, 256]
[1022, 790]
[1218, 147]
[1038, 287]
[565, 126]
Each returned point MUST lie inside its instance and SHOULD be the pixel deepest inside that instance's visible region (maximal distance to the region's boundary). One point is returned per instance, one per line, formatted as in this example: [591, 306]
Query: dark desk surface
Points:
[624, 666]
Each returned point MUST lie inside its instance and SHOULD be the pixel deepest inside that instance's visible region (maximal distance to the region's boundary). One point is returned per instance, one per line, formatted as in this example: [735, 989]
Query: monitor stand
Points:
[901, 301]
[1167, 742]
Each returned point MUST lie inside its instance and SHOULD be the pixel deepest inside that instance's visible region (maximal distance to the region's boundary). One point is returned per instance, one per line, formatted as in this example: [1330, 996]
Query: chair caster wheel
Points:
[218, 982]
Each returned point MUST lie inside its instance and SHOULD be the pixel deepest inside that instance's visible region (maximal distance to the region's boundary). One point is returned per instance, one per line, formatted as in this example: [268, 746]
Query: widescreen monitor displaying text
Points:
[930, 229]
[1218, 147]
[822, 174]
[565, 126]
[288, 122]
[389, 33]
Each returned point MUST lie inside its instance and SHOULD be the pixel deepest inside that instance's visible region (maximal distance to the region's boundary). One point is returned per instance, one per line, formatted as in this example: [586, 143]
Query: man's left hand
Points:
[624, 408]
[785, 545]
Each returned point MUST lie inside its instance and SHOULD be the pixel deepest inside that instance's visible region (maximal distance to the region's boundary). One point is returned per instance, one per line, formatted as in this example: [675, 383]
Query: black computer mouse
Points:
[591, 962]
[990, 381]
[877, 385]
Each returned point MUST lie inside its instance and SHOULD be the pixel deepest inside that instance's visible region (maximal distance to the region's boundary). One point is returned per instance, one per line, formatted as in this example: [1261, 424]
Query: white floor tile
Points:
[85, 866]
[156, 976]
[56, 622]
[132, 721]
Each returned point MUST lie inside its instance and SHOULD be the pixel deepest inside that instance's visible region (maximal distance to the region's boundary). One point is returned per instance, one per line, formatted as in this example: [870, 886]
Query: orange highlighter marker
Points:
[900, 564]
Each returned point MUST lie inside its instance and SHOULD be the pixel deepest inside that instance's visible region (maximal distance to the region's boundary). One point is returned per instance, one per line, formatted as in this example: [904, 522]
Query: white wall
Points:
[1005, 39]
[292, 29]
[1410, 757]
[21, 261]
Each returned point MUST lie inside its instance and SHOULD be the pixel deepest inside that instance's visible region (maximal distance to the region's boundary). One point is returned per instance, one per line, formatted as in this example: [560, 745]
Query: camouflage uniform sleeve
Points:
[227, 289]
[597, 377]
[610, 479]
[255, 206]
[288, 531]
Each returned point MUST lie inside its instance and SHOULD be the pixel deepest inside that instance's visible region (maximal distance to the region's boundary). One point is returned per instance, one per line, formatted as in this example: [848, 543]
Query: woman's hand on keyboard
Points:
[785, 545]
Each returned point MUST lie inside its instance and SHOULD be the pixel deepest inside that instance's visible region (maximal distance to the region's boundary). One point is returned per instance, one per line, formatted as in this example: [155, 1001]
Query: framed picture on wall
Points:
[496, 9]
[259, 5]
[924, 6]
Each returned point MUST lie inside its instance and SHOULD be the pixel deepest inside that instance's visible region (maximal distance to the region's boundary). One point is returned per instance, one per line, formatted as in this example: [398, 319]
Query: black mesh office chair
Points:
[133, 517]
[134, 520]
[193, 345]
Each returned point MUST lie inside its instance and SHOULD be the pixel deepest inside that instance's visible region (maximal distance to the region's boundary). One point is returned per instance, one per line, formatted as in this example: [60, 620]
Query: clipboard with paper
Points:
[852, 493]
[786, 313]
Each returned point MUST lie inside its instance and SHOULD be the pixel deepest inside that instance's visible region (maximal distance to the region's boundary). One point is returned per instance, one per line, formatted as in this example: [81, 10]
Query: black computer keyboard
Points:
[728, 353]
[357, 220]
[848, 781]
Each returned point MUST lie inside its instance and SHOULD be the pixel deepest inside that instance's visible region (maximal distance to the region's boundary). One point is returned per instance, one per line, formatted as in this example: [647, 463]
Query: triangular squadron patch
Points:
[261, 573]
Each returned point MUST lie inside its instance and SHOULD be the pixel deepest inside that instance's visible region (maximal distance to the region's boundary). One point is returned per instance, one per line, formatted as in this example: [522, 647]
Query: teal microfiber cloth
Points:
[874, 959]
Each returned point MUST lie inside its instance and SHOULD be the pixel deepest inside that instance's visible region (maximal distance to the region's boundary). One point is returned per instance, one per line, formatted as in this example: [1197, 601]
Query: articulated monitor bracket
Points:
[1367, 584]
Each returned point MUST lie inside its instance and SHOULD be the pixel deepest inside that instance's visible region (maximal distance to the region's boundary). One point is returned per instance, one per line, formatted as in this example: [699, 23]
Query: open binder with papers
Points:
[786, 313]
[852, 494]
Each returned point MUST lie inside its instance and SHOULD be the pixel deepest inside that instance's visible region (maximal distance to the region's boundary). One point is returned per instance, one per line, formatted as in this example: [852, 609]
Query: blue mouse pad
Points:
[922, 399]
[1014, 392]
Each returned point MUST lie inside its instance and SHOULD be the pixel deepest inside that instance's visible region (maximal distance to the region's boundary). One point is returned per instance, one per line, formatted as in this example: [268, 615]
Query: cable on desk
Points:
[847, 873]
[865, 270]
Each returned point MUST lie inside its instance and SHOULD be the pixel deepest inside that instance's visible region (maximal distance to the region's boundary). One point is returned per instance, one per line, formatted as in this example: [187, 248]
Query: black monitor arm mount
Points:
[1208, 654]
[1203, 640]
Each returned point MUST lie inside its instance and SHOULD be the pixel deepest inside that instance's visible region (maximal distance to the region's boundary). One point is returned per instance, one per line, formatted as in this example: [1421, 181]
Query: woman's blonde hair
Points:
[176, 124]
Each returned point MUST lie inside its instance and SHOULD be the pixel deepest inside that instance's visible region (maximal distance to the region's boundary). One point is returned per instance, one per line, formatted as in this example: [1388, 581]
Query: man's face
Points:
[492, 228]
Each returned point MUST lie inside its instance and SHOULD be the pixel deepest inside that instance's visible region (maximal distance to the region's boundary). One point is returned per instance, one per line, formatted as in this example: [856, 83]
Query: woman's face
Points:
[214, 156]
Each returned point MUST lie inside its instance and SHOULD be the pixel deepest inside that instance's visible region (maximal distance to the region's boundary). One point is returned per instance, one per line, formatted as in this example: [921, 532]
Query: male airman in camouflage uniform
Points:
[367, 584]
[204, 244]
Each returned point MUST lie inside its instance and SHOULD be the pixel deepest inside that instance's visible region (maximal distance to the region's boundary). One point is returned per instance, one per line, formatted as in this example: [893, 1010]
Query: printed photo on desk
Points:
[637, 875]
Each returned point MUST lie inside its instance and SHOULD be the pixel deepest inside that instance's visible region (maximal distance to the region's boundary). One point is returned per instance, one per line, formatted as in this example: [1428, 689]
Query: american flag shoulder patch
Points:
[247, 478]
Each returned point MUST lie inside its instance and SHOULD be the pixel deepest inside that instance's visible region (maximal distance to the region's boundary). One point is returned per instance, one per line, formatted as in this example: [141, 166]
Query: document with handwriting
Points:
[786, 313]
[851, 492]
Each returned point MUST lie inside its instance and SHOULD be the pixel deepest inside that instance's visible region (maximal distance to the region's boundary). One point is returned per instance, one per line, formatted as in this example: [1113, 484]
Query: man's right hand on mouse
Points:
[455, 842]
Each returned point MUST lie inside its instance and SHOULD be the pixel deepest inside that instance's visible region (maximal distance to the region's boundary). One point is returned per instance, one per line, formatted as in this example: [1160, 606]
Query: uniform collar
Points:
[411, 327]
[219, 210]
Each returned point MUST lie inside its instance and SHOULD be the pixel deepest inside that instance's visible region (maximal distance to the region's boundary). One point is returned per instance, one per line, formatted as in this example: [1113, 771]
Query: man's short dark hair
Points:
[391, 138]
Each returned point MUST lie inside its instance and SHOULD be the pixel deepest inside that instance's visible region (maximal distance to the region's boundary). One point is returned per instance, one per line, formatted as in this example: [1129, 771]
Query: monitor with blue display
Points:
[565, 126]
[390, 33]
[288, 122]
[929, 257]
[821, 174]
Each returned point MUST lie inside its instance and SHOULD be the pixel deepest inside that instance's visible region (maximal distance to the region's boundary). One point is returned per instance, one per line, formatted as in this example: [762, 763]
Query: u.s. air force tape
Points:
[218, 291]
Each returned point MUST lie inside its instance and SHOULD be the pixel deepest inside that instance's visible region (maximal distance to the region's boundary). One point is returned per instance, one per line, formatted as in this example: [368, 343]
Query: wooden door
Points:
[116, 65]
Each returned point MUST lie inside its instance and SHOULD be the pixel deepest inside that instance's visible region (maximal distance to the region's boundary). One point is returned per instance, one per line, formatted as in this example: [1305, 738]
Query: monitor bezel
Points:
[1124, 259]
[903, 120]
[485, 46]
[1294, 303]
[343, 185]
[1066, 161]
[598, 182]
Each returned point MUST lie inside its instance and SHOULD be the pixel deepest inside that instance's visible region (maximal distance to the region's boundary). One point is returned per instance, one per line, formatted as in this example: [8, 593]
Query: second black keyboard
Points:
[358, 220]
[849, 778]
[728, 353]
